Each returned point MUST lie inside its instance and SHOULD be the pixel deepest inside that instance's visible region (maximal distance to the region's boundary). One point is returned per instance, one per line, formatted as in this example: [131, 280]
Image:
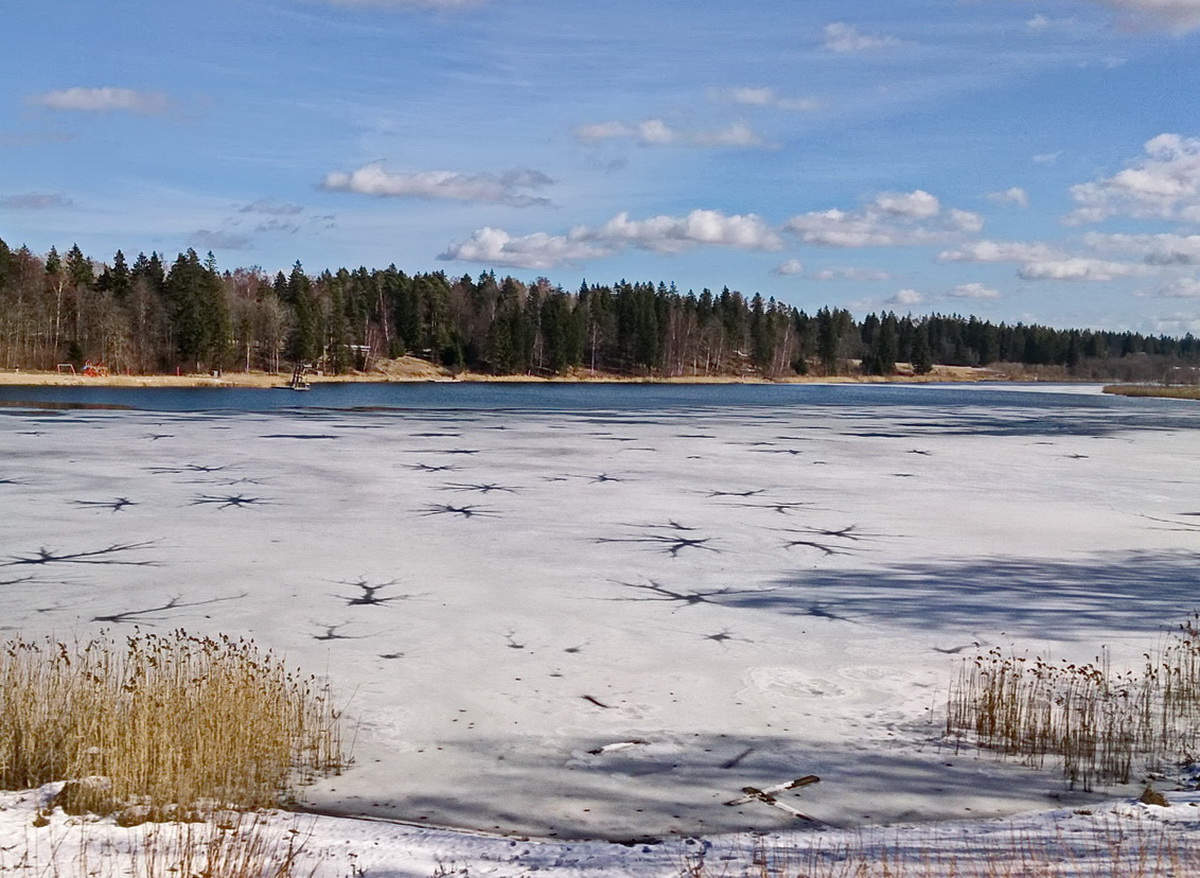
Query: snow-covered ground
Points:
[1116, 838]
[604, 624]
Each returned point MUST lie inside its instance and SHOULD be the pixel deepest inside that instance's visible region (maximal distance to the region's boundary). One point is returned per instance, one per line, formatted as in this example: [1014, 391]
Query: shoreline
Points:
[409, 370]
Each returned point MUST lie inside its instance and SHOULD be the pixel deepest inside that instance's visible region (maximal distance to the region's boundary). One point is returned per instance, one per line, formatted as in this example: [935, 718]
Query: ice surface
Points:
[605, 624]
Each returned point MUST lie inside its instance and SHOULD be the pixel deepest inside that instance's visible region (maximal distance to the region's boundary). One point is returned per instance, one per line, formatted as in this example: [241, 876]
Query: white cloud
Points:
[1161, 250]
[1040, 261]
[764, 97]
[668, 234]
[1078, 268]
[657, 132]
[806, 105]
[906, 297]
[1179, 16]
[35, 201]
[999, 251]
[917, 204]
[842, 37]
[536, 251]
[1014, 195]
[1047, 158]
[278, 225]
[1175, 324]
[271, 208]
[1041, 23]
[838, 228]
[736, 134]
[603, 131]
[856, 274]
[892, 219]
[1179, 288]
[973, 291]
[660, 234]
[410, 4]
[205, 239]
[757, 97]
[104, 100]
[790, 267]
[372, 179]
[965, 221]
[1164, 183]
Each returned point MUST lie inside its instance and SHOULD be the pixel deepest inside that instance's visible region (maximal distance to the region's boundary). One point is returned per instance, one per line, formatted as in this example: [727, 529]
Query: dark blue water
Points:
[947, 409]
[582, 397]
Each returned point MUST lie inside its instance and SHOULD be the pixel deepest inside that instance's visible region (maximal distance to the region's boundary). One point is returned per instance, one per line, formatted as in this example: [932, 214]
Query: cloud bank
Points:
[846, 38]
[657, 132]
[1163, 183]
[1039, 261]
[762, 96]
[660, 234]
[373, 179]
[35, 201]
[892, 219]
[973, 291]
[1179, 16]
[208, 239]
[855, 274]
[1013, 195]
[106, 99]
[271, 208]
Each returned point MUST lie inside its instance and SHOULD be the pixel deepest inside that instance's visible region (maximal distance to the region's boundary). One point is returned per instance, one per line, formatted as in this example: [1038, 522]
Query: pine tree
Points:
[922, 356]
[79, 268]
[117, 278]
[304, 343]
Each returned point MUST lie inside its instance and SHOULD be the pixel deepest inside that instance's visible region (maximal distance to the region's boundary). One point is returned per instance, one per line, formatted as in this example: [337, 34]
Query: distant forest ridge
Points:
[151, 317]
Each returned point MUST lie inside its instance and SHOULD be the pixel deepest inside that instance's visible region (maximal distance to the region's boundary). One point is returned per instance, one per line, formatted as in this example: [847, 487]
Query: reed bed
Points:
[1110, 851]
[1104, 727]
[162, 724]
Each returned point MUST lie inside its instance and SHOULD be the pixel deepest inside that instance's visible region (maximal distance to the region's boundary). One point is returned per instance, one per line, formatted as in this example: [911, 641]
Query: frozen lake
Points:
[602, 610]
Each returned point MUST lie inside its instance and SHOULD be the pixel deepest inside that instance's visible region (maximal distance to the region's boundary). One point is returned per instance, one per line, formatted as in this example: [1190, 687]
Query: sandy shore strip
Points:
[411, 369]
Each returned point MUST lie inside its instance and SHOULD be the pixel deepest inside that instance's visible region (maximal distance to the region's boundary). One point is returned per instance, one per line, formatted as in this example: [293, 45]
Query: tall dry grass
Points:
[1110, 851]
[1104, 727]
[171, 721]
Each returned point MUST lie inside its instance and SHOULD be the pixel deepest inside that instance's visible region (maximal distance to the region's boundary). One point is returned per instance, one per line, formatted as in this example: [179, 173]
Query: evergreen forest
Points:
[151, 316]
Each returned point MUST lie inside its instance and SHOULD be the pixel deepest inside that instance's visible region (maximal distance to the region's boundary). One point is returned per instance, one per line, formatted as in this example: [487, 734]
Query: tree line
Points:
[149, 316]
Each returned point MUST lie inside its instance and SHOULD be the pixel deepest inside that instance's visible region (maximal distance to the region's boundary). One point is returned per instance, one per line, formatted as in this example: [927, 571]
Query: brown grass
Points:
[1168, 392]
[1103, 727]
[1110, 851]
[163, 722]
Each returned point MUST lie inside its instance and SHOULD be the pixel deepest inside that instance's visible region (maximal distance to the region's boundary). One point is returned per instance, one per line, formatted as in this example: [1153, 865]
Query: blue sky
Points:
[1015, 159]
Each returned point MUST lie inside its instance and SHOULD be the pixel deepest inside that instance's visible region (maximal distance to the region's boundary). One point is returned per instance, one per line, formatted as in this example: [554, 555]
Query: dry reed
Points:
[165, 722]
[1103, 727]
[1110, 851]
